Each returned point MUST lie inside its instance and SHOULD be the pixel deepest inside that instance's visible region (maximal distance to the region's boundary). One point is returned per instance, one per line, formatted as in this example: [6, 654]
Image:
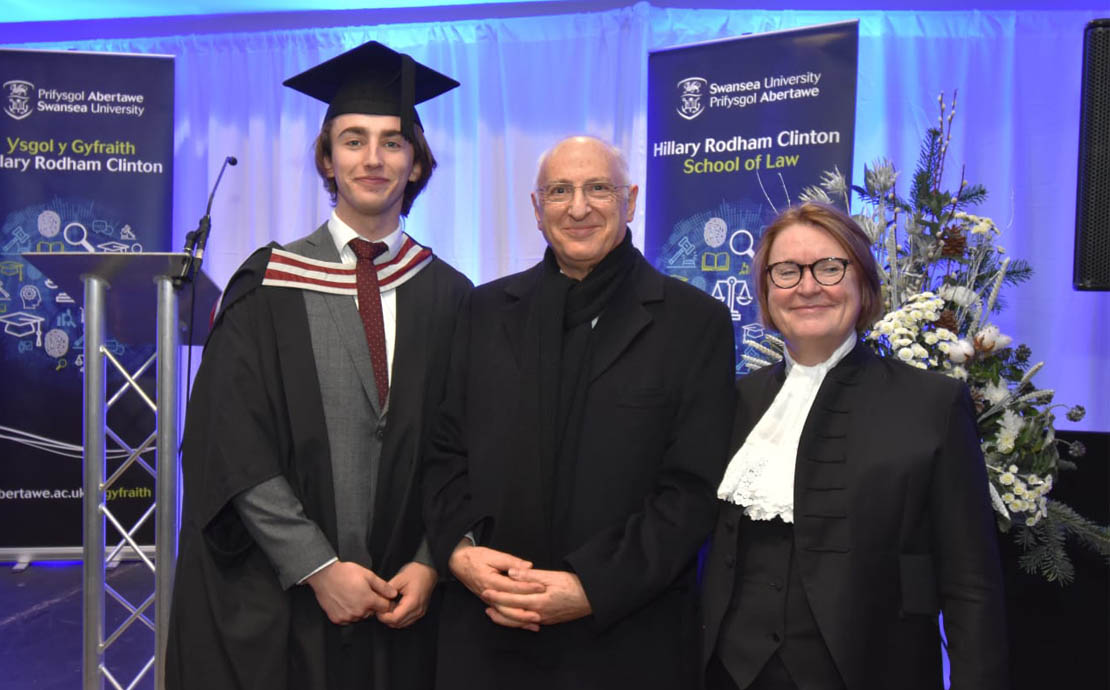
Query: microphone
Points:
[196, 240]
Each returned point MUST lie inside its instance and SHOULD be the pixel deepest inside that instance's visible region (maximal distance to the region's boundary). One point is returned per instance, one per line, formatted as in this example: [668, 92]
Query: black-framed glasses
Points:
[827, 272]
[563, 192]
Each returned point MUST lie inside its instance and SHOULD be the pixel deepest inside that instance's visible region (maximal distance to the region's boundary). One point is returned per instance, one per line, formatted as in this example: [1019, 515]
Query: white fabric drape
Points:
[530, 80]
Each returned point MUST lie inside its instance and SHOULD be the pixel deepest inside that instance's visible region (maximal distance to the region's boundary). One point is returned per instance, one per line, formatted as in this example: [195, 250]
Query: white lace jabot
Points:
[760, 477]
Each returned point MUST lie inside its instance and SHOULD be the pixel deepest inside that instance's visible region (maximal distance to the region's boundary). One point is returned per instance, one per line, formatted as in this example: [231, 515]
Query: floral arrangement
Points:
[943, 275]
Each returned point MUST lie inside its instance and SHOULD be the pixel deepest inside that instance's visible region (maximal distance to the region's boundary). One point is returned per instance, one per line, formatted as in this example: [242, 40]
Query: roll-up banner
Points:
[86, 165]
[737, 128]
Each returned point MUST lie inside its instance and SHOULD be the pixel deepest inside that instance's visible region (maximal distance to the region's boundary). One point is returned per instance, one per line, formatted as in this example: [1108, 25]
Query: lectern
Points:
[131, 297]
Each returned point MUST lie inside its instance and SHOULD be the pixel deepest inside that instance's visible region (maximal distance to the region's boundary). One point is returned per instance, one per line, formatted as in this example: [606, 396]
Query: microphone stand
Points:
[196, 240]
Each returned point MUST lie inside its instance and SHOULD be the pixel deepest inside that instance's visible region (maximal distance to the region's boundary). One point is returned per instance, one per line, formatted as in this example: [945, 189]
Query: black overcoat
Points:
[256, 412]
[627, 516]
[892, 525]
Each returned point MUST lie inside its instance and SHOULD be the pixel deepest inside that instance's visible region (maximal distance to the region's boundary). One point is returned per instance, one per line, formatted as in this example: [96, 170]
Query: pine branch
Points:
[1090, 534]
[1047, 557]
[928, 163]
[971, 195]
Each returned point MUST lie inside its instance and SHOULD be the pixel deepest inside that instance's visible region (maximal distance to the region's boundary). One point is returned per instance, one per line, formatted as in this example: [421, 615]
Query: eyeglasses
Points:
[827, 272]
[563, 192]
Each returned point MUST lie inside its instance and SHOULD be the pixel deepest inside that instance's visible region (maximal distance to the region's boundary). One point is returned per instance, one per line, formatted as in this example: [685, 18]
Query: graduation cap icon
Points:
[21, 324]
[373, 79]
[114, 247]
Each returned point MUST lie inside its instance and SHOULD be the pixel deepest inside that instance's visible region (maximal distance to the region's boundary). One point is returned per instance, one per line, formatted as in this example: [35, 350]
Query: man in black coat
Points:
[571, 479]
[303, 562]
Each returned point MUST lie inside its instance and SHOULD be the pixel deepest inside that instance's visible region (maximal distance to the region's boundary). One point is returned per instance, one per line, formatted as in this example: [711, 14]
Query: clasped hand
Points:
[348, 593]
[518, 595]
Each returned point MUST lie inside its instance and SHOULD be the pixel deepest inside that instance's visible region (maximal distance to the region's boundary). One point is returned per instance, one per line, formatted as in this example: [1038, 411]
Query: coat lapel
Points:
[344, 312]
[520, 290]
[625, 316]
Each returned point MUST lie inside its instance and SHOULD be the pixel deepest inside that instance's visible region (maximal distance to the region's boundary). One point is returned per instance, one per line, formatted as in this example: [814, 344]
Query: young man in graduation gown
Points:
[303, 562]
[571, 480]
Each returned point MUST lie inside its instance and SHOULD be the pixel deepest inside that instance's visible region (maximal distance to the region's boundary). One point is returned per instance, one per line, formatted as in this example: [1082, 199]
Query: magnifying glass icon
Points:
[749, 252]
[83, 242]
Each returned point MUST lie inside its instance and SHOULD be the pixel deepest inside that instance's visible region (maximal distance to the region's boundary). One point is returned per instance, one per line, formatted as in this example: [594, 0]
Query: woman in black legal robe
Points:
[855, 506]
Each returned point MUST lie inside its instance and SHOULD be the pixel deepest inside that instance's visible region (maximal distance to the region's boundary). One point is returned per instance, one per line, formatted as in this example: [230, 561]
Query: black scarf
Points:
[562, 319]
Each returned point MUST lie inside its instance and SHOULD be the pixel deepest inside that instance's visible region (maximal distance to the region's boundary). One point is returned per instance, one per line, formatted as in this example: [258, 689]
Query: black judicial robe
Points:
[627, 517]
[892, 525]
[255, 413]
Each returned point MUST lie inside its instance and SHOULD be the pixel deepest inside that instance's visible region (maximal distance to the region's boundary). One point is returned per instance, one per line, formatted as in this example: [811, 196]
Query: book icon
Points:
[715, 261]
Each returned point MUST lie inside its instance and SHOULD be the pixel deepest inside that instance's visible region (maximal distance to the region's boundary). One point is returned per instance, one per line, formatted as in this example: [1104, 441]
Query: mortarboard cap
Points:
[372, 79]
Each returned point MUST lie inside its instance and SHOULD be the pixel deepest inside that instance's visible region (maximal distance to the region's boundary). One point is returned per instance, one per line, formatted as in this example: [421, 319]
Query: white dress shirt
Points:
[342, 234]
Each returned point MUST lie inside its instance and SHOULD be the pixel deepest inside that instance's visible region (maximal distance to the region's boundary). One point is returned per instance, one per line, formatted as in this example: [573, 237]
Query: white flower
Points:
[881, 178]
[1006, 479]
[905, 354]
[989, 338]
[1008, 430]
[919, 351]
[834, 182]
[1008, 497]
[958, 295]
[931, 338]
[960, 352]
[869, 226]
[986, 336]
[995, 392]
[958, 372]
[982, 226]
[817, 194]
[945, 334]
[1005, 442]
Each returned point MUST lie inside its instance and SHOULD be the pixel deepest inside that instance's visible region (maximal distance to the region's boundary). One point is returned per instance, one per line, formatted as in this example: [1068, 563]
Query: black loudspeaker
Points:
[1092, 208]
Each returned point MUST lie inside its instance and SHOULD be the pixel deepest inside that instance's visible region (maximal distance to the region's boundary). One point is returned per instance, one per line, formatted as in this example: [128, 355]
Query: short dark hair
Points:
[421, 155]
[847, 233]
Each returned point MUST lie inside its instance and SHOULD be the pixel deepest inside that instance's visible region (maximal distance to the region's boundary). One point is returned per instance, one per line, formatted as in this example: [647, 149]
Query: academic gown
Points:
[256, 413]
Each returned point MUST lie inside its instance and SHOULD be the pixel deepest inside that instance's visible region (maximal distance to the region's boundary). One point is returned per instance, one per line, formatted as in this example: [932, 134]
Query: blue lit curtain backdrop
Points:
[529, 80]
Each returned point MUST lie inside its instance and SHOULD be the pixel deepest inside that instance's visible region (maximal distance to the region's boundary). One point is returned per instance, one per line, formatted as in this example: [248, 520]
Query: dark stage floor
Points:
[40, 626]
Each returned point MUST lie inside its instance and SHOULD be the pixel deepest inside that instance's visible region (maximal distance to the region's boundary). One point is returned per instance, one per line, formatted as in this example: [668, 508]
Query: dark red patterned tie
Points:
[370, 309]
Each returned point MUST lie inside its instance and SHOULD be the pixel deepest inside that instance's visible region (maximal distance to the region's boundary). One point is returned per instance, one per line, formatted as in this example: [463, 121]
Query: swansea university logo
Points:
[19, 98]
[690, 91]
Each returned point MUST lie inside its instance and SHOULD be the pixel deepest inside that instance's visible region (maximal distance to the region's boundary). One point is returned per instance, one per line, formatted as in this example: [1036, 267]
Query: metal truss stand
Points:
[126, 291]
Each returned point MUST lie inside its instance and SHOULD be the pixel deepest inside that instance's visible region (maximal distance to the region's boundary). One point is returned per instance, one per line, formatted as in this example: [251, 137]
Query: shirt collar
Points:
[342, 234]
